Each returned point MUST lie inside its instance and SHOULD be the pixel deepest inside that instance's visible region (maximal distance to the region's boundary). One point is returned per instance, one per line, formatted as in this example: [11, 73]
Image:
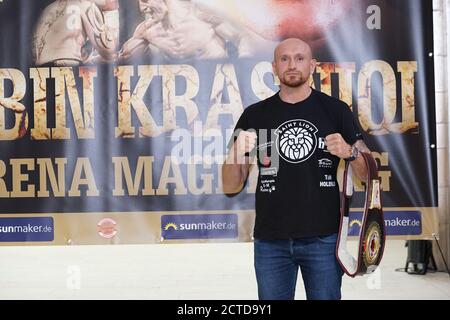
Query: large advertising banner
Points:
[115, 115]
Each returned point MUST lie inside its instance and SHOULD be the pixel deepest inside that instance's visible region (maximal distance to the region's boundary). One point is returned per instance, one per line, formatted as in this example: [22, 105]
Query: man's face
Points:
[293, 63]
[153, 9]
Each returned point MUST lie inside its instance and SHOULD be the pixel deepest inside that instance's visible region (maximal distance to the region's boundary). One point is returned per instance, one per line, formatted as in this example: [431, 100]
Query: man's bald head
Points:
[292, 44]
[293, 63]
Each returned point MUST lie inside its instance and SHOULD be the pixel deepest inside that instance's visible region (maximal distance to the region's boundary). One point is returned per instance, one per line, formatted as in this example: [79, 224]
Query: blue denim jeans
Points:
[277, 263]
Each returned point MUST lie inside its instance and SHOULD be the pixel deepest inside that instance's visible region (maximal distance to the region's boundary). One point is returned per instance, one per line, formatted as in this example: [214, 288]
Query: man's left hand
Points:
[337, 146]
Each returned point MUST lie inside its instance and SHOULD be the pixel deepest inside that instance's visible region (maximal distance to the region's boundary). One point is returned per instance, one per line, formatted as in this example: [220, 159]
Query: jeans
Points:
[277, 263]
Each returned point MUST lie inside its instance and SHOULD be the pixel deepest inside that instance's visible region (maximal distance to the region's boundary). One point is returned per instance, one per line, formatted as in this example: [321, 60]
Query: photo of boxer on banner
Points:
[72, 32]
[281, 19]
[184, 29]
[77, 32]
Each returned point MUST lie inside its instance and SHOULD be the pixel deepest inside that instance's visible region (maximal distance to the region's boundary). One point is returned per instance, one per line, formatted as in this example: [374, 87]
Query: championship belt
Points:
[372, 234]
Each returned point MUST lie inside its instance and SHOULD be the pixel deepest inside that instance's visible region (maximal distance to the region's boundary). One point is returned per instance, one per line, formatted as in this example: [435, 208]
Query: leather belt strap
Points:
[372, 234]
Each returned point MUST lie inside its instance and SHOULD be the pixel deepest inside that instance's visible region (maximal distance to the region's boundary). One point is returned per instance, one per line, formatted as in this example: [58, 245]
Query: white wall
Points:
[441, 15]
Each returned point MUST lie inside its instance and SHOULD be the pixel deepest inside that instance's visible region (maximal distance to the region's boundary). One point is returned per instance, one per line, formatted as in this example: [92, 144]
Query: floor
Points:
[183, 271]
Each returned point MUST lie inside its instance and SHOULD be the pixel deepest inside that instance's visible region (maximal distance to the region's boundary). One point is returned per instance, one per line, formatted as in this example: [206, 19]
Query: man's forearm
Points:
[233, 173]
[359, 168]
[358, 165]
[232, 178]
[131, 47]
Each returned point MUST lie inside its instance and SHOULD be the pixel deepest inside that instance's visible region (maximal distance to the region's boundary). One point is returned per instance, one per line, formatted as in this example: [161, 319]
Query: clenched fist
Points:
[337, 146]
[245, 142]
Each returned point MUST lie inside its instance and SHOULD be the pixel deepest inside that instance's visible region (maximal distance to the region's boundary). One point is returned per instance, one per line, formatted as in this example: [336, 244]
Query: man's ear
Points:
[276, 80]
[313, 65]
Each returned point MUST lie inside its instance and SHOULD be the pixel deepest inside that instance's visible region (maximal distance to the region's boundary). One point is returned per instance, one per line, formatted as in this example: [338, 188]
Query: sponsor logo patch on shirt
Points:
[325, 163]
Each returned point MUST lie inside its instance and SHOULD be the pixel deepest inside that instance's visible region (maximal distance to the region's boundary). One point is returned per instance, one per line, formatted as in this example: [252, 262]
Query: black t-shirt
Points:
[297, 193]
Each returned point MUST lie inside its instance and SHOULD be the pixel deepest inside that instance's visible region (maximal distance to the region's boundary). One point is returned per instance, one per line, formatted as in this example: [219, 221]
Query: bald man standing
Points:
[297, 137]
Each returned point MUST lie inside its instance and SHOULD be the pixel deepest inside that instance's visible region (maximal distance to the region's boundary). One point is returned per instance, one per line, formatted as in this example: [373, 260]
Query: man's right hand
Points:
[236, 167]
[245, 142]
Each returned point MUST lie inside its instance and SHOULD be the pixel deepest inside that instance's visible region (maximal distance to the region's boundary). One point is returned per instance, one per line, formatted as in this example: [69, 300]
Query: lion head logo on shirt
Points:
[296, 140]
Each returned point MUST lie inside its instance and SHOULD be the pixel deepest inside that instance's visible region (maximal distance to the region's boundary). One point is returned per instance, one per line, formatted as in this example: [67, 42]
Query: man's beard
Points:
[292, 81]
